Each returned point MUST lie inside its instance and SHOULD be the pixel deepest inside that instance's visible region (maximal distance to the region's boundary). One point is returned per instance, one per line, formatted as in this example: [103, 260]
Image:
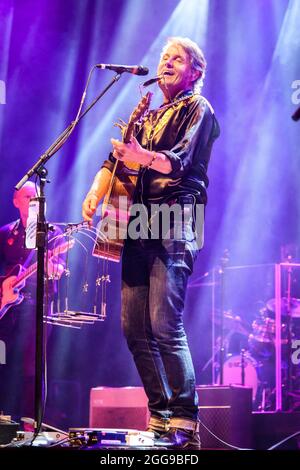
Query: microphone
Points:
[296, 115]
[152, 80]
[135, 69]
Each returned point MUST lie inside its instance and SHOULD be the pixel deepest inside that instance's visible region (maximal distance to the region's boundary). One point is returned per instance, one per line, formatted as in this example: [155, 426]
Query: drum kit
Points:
[256, 354]
[250, 351]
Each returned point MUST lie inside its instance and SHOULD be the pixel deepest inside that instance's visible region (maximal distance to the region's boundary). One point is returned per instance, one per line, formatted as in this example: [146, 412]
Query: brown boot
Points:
[159, 426]
[183, 434]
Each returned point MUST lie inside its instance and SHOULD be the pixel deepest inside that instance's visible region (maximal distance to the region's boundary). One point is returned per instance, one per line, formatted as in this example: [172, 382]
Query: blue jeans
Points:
[154, 282]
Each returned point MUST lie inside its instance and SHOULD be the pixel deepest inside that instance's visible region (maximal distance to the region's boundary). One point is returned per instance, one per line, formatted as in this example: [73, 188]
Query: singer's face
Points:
[178, 75]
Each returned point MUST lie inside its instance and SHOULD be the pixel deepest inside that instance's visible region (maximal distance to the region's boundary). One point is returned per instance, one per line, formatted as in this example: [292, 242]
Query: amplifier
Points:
[8, 431]
[122, 407]
[226, 411]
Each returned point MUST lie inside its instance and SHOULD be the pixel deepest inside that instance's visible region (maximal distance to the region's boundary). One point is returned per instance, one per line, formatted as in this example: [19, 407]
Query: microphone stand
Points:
[41, 240]
[289, 339]
[224, 261]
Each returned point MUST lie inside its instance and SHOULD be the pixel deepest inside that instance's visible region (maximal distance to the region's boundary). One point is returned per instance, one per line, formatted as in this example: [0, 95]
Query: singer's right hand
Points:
[89, 206]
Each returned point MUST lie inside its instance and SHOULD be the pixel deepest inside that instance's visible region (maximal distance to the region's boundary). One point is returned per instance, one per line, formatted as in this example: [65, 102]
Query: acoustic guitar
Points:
[112, 228]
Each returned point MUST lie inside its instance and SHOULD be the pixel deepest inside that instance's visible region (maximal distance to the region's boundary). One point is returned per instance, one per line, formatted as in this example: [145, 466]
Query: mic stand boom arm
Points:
[41, 240]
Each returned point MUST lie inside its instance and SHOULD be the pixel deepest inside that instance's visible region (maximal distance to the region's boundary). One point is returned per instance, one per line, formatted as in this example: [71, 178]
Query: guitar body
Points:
[112, 228]
[116, 210]
[10, 293]
[11, 285]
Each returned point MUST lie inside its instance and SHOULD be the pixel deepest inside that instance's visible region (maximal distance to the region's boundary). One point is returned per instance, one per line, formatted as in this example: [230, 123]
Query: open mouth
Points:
[167, 74]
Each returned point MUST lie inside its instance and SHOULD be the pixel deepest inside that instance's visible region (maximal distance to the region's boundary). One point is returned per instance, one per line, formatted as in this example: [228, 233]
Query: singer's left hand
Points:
[131, 152]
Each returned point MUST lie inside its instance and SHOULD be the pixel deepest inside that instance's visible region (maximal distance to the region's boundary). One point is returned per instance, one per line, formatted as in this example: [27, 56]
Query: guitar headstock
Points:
[141, 108]
[137, 114]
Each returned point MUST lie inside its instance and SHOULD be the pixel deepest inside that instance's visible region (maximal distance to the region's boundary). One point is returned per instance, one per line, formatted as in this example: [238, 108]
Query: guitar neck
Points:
[58, 250]
[29, 271]
[25, 275]
[135, 116]
[128, 133]
[126, 140]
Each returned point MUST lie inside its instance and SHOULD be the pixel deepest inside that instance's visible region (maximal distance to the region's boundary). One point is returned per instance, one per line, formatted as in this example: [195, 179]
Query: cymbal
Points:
[233, 323]
[288, 306]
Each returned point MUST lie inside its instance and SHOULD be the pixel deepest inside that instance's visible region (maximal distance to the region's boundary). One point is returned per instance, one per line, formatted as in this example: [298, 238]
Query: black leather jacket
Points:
[184, 131]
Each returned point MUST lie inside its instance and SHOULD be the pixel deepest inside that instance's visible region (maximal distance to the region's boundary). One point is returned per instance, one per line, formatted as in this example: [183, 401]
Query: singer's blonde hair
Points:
[196, 55]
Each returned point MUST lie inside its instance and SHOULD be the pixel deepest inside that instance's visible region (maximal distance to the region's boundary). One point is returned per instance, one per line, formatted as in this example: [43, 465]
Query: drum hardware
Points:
[224, 262]
[289, 306]
[263, 348]
[260, 336]
[216, 351]
[262, 339]
[265, 400]
[202, 281]
[216, 279]
[233, 323]
[241, 369]
[270, 336]
[243, 366]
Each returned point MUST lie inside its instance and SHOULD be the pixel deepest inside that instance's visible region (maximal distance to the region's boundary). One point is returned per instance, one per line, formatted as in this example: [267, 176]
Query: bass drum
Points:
[232, 373]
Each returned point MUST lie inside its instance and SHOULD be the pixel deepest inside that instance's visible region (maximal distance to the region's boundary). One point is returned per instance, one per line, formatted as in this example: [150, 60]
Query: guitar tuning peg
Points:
[120, 124]
[116, 124]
